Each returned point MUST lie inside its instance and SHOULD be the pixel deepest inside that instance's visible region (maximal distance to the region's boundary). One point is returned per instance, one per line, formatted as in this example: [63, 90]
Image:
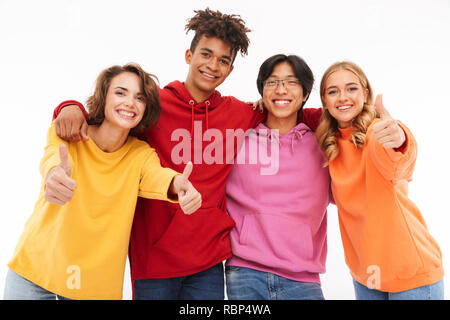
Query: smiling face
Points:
[344, 96]
[209, 66]
[283, 99]
[125, 102]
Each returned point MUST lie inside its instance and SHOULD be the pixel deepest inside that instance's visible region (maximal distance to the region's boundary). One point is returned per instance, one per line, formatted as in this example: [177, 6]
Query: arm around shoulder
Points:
[66, 103]
[311, 117]
[71, 121]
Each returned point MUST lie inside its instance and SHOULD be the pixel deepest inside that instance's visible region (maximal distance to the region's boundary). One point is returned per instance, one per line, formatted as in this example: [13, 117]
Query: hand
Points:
[387, 131]
[258, 104]
[188, 197]
[70, 125]
[59, 187]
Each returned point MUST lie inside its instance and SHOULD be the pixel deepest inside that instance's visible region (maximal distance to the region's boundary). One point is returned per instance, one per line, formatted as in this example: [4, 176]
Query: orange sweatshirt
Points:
[386, 241]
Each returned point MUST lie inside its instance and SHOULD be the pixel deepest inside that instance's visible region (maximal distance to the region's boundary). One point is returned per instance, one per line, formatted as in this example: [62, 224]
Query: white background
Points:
[53, 50]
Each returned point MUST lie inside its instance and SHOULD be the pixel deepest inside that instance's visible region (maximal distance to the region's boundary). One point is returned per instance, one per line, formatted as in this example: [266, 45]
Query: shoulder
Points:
[140, 145]
[167, 91]
[164, 92]
[311, 117]
[232, 104]
[52, 137]
[230, 101]
[140, 152]
[312, 113]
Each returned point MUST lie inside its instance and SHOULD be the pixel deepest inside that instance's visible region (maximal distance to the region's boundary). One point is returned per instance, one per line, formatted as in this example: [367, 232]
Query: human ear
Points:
[305, 97]
[188, 56]
[230, 69]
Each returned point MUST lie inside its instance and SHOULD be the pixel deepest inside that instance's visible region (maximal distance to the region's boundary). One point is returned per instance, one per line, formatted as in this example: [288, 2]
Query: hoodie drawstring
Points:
[192, 102]
[297, 134]
[207, 118]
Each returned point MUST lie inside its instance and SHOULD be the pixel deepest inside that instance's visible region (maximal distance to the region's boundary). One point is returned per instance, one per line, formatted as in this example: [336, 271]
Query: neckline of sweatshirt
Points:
[204, 107]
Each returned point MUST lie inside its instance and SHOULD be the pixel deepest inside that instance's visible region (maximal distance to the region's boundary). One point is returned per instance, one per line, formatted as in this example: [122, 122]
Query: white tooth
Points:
[129, 114]
[209, 76]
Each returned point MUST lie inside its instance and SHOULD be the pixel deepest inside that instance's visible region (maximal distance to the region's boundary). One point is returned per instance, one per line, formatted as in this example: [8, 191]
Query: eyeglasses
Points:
[287, 83]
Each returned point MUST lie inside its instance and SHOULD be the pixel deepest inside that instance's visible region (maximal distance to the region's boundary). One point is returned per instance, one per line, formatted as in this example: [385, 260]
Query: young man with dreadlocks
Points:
[172, 255]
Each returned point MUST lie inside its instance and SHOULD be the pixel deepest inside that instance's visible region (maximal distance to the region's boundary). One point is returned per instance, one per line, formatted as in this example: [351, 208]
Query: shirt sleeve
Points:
[255, 117]
[51, 153]
[68, 103]
[155, 180]
[311, 117]
[394, 164]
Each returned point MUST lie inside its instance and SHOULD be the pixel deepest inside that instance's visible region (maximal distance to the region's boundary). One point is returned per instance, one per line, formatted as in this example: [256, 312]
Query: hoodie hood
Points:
[292, 136]
[179, 90]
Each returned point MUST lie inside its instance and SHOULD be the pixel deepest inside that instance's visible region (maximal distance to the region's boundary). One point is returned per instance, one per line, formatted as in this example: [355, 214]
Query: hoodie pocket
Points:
[201, 236]
[283, 237]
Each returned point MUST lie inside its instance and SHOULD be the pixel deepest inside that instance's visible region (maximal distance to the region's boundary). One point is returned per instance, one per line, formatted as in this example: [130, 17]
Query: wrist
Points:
[70, 103]
[172, 193]
[402, 147]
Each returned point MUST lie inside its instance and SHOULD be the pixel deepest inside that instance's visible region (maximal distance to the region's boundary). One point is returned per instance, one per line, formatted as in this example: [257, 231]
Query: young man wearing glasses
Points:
[279, 242]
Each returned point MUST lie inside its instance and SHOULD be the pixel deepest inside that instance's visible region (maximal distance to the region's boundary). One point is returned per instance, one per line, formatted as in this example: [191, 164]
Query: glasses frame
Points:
[283, 82]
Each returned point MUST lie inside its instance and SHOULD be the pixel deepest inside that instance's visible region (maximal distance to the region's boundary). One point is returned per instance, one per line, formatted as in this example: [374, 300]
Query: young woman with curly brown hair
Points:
[75, 243]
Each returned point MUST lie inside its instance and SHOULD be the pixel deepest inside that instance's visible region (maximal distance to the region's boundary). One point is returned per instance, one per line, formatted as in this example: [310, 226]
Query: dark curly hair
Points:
[229, 28]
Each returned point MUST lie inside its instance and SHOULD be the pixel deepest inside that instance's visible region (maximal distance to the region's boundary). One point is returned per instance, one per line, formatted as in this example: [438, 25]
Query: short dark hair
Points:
[96, 103]
[230, 29]
[301, 71]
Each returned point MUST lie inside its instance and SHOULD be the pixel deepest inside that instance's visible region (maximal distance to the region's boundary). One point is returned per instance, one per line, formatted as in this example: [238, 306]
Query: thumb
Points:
[64, 156]
[188, 170]
[384, 114]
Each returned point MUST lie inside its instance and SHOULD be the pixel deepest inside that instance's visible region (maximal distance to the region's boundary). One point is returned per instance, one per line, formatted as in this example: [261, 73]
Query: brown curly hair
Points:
[229, 28]
[96, 103]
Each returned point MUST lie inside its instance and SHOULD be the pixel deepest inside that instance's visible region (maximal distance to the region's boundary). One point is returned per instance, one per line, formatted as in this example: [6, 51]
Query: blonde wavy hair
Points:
[327, 131]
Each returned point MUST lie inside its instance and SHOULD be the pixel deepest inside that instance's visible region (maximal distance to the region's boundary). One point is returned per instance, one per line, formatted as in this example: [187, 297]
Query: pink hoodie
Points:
[280, 206]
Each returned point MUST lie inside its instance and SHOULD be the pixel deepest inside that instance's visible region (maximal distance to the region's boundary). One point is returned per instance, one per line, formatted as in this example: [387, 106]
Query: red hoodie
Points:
[165, 242]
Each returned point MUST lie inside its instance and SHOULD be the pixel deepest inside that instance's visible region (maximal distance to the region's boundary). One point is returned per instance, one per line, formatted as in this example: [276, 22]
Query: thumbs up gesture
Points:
[188, 197]
[387, 131]
[59, 187]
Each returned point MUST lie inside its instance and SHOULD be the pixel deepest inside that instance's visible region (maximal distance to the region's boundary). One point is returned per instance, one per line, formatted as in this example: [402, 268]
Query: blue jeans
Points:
[430, 292]
[205, 285]
[19, 288]
[250, 284]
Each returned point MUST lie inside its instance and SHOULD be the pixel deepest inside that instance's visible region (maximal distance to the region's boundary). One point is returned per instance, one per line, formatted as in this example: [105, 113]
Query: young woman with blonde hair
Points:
[371, 157]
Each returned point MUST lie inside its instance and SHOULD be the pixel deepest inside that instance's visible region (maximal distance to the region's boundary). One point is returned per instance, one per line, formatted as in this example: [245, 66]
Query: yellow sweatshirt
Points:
[79, 250]
[386, 241]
